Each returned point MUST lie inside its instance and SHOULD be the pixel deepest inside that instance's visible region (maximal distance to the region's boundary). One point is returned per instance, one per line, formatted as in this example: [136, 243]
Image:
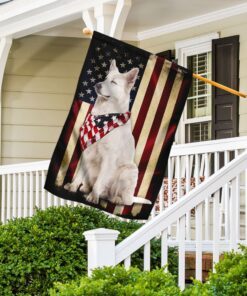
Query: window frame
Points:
[183, 50]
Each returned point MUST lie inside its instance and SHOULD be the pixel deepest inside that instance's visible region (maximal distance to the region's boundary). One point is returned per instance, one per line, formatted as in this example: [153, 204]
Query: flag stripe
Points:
[158, 128]
[71, 145]
[150, 165]
[162, 130]
[58, 154]
[168, 141]
[153, 111]
[147, 98]
[142, 89]
[73, 163]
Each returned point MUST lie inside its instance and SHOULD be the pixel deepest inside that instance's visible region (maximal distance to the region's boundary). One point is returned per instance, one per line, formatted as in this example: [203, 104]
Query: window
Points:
[195, 54]
[198, 117]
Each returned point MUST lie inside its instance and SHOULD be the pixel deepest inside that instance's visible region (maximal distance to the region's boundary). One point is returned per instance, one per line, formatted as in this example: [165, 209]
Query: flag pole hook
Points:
[88, 32]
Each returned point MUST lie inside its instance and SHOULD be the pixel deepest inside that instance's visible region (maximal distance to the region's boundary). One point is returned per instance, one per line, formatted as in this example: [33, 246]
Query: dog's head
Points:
[117, 86]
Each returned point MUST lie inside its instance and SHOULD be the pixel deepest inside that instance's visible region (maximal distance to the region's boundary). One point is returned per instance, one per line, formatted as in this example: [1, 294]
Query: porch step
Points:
[190, 263]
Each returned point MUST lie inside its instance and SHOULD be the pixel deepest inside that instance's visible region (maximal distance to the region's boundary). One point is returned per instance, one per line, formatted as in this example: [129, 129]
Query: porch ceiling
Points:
[146, 18]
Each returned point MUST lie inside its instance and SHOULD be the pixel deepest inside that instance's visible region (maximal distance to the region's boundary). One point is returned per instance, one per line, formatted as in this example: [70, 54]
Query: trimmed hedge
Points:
[50, 247]
[116, 281]
[229, 279]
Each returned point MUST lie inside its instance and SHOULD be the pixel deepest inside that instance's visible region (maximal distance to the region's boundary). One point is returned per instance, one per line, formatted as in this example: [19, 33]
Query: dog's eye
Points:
[114, 82]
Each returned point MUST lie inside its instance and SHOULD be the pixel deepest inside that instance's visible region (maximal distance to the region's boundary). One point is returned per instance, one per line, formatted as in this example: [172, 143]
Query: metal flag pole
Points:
[88, 32]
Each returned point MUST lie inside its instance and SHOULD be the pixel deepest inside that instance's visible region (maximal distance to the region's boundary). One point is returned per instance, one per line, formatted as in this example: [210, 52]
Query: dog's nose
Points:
[97, 86]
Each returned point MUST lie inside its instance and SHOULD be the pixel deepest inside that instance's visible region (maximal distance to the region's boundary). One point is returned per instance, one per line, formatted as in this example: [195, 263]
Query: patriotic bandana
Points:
[96, 127]
[156, 94]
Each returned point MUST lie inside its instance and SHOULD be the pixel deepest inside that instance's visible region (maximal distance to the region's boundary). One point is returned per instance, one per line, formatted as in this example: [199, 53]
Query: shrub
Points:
[116, 281]
[50, 247]
[229, 279]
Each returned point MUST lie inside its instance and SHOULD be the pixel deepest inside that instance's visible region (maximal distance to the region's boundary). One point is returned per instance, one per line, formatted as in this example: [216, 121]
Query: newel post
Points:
[101, 247]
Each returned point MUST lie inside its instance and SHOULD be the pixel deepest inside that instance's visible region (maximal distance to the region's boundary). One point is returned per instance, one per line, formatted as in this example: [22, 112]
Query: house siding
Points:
[39, 83]
[228, 27]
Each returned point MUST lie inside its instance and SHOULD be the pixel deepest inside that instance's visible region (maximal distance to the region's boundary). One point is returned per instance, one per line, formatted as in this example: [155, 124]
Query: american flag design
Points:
[96, 127]
[156, 103]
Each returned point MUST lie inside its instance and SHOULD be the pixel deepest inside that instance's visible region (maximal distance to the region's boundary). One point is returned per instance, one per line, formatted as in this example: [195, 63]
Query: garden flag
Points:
[114, 146]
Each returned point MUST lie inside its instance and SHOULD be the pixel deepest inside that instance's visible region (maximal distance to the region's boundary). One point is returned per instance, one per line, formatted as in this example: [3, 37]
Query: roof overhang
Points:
[26, 17]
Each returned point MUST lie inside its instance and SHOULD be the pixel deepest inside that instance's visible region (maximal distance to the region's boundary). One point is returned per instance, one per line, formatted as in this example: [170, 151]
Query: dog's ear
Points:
[131, 76]
[113, 66]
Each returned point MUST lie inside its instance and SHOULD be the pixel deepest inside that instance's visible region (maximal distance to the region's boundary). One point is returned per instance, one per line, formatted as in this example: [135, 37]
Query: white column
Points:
[101, 247]
[104, 14]
[108, 18]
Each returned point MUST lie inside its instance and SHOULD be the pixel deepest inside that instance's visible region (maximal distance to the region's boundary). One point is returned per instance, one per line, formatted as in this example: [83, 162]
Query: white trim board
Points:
[193, 22]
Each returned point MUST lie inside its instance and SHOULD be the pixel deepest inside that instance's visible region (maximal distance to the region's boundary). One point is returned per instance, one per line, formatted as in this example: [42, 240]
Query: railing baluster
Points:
[224, 207]
[127, 262]
[164, 248]
[3, 205]
[147, 256]
[197, 180]
[19, 213]
[49, 198]
[216, 228]
[31, 194]
[237, 201]
[161, 197]
[43, 201]
[233, 220]
[207, 208]
[181, 256]
[25, 196]
[14, 196]
[188, 180]
[37, 203]
[178, 179]
[169, 185]
[178, 175]
[8, 197]
[199, 242]
[202, 166]
[55, 200]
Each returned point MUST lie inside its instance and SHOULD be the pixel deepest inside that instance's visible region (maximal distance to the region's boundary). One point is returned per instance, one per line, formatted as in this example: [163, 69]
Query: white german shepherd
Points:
[107, 169]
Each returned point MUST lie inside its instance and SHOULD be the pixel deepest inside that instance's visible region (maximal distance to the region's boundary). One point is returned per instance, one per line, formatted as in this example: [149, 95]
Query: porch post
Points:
[101, 247]
[108, 18]
[5, 45]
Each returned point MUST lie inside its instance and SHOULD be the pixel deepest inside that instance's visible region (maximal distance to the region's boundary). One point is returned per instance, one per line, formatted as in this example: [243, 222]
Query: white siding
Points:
[39, 84]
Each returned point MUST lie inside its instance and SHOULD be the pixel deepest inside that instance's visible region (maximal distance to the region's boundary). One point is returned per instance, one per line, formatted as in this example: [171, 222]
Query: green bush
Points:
[230, 277]
[116, 281]
[50, 247]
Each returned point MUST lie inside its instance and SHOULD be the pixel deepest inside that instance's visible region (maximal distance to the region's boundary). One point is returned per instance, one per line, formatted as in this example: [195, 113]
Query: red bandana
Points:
[96, 127]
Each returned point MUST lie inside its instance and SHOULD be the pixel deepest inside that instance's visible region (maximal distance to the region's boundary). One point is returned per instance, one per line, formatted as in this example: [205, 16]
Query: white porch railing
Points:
[22, 190]
[101, 245]
[22, 185]
[188, 166]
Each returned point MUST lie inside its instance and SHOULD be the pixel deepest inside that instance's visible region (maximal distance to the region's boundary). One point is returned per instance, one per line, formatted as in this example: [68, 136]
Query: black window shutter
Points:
[225, 70]
[167, 54]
